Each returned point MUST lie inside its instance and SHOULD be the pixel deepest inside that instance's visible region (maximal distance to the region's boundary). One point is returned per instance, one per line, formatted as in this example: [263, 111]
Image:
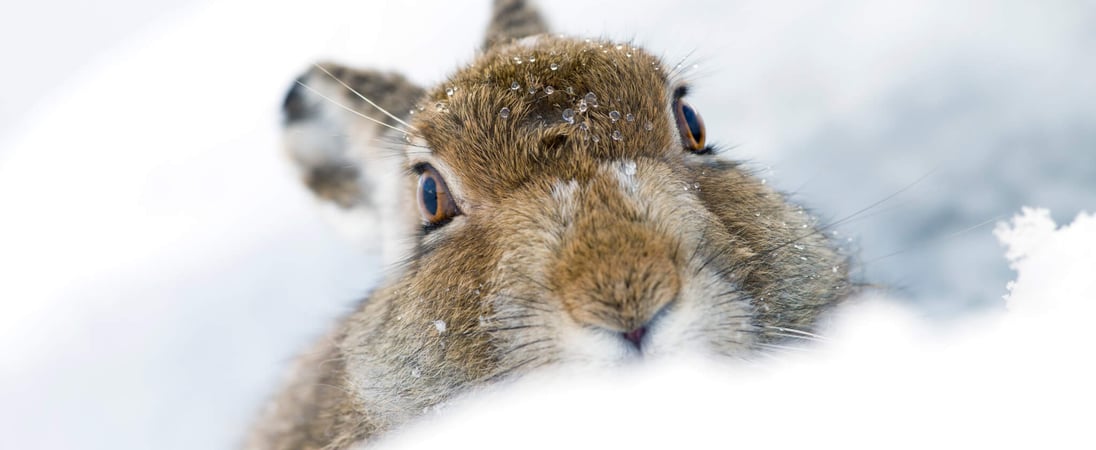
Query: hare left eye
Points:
[435, 203]
[690, 125]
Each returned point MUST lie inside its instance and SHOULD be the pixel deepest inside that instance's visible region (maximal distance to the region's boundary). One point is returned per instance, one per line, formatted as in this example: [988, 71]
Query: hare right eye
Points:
[691, 127]
[435, 203]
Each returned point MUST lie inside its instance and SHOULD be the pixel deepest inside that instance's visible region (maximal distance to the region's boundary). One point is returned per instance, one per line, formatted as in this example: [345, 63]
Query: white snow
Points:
[1054, 265]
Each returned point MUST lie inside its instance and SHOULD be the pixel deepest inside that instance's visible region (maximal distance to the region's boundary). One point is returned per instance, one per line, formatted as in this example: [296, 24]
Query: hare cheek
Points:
[704, 320]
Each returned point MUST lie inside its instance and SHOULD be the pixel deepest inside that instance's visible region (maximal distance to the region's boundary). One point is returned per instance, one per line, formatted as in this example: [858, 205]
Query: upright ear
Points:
[348, 161]
[513, 19]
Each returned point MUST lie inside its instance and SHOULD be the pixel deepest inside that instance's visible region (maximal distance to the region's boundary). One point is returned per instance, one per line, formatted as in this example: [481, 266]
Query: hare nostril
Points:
[635, 336]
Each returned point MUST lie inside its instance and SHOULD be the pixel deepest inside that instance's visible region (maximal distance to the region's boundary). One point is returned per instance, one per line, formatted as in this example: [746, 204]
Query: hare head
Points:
[553, 202]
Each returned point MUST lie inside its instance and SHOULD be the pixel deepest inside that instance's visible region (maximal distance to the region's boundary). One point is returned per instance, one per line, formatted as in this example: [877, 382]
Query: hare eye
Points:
[691, 127]
[435, 203]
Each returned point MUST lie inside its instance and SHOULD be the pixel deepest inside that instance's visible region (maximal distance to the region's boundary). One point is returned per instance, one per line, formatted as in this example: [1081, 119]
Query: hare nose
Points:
[636, 336]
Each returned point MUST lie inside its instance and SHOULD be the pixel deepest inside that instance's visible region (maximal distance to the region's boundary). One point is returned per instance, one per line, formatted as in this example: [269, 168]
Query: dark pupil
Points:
[690, 119]
[430, 195]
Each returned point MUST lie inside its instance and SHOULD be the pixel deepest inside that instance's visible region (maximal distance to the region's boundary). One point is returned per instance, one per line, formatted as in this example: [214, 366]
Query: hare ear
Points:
[326, 136]
[513, 19]
[347, 160]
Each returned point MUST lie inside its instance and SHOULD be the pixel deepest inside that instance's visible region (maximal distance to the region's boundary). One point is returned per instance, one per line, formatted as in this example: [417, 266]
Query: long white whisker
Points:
[786, 348]
[939, 239]
[796, 336]
[799, 332]
[350, 109]
[399, 142]
[397, 119]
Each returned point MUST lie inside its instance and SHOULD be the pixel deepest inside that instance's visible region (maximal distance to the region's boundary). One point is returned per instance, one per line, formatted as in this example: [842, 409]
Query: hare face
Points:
[587, 230]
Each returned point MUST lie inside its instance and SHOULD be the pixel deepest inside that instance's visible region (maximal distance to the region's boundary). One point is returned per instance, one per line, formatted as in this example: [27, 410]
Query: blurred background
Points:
[159, 264]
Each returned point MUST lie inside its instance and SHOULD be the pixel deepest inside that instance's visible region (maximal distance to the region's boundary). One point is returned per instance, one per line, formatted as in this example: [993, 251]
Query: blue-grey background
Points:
[160, 265]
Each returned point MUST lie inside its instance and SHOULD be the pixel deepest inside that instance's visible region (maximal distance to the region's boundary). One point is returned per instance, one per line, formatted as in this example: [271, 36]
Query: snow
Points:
[1054, 264]
[159, 265]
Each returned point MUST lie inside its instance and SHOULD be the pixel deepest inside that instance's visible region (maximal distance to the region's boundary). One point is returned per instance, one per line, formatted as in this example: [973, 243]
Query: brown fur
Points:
[567, 233]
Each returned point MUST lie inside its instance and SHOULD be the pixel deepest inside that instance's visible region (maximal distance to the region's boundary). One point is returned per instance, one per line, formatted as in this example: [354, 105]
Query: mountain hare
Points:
[554, 202]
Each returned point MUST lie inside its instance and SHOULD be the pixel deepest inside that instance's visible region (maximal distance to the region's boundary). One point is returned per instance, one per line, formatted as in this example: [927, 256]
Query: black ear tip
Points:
[294, 107]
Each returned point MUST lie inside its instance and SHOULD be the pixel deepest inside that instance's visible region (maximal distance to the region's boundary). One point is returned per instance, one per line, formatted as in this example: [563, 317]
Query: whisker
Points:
[795, 336]
[711, 257]
[786, 348]
[397, 119]
[882, 200]
[900, 206]
[388, 139]
[801, 332]
[938, 239]
[511, 328]
[530, 304]
[351, 110]
[511, 317]
[679, 69]
[512, 368]
[523, 345]
[850, 217]
[730, 299]
[764, 333]
[729, 323]
[531, 280]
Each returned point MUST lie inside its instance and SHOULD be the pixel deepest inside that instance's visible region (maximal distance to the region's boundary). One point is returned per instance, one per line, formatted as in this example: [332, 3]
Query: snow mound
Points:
[1054, 264]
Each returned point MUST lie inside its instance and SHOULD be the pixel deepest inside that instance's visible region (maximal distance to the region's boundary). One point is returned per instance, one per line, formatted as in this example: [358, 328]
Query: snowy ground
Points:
[159, 264]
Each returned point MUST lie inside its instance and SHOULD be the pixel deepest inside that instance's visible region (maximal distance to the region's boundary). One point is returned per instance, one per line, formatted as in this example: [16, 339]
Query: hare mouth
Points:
[699, 322]
[640, 337]
[662, 335]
